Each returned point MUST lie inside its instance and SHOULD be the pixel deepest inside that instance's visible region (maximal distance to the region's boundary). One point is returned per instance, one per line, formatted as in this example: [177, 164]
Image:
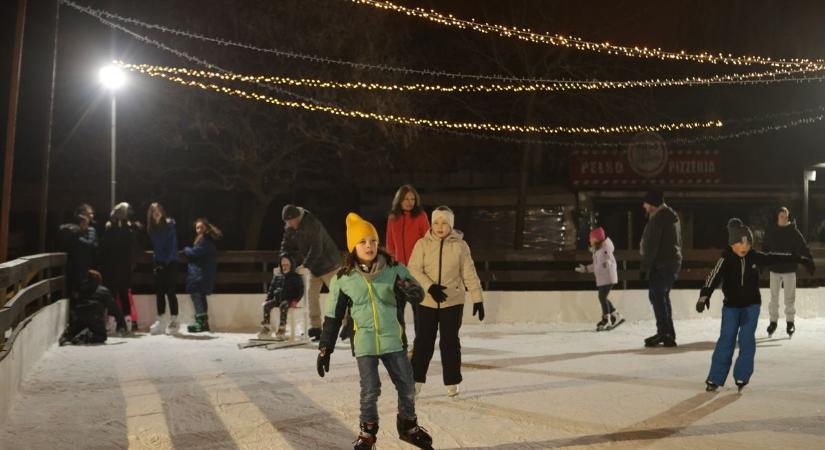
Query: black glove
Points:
[702, 304]
[408, 290]
[437, 293]
[323, 362]
[808, 263]
[479, 308]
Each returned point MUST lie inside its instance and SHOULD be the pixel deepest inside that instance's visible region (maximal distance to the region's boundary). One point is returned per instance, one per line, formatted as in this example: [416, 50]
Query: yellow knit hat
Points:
[358, 229]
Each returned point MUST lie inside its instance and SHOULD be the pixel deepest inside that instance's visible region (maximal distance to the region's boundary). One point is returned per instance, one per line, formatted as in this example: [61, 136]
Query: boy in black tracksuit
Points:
[738, 272]
[287, 287]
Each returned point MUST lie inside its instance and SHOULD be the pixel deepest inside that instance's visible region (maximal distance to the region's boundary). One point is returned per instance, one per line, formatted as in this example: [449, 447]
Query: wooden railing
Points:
[27, 284]
[250, 271]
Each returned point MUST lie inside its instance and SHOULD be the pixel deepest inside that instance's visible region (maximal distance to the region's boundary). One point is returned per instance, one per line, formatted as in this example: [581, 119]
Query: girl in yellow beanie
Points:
[371, 284]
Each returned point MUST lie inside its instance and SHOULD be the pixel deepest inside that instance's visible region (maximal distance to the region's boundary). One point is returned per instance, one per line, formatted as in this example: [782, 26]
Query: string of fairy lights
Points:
[576, 43]
[522, 84]
[407, 120]
[758, 77]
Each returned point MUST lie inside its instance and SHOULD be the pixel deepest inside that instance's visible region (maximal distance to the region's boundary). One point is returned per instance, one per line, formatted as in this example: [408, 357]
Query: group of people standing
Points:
[99, 271]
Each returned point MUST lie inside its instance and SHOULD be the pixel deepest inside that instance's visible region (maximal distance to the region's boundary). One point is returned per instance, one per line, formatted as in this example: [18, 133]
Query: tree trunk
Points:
[256, 222]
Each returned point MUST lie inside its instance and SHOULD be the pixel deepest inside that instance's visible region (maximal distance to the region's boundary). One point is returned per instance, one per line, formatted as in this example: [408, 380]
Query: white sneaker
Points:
[111, 325]
[418, 387]
[173, 326]
[280, 334]
[452, 390]
[159, 327]
[128, 324]
[265, 332]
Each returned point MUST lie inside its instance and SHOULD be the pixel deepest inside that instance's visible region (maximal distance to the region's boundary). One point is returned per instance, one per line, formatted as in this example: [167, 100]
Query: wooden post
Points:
[47, 148]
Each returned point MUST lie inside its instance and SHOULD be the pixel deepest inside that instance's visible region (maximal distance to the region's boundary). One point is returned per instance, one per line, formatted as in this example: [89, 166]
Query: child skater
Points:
[442, 263]
[738, 272]
[285, 290]
[604, 266]
[370, 285]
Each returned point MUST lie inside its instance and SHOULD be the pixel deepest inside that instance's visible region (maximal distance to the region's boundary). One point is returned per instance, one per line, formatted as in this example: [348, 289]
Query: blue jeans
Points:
[401, 374]
[741, 321]
[199, 302]
[661, 282]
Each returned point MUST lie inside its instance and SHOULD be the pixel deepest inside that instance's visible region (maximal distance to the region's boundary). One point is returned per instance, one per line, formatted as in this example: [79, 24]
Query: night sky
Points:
[171, 138]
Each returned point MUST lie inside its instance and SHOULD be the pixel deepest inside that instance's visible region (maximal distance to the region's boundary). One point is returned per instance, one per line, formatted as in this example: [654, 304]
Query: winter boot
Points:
[265, 332]
[367, 437]
[710, 386]
[669, 340]
[409, 431]
[173, 325]
[314, 334]
[201, 324]
[280, 334]
[452, 390]
[790, 329]
[741, 385]
[771, 328]
[159, 327]
[654, 340]
[603, 323]
[616, 319]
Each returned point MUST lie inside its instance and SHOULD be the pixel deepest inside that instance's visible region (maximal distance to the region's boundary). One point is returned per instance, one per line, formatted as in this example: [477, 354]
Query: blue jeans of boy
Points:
[739, 322]
[199, 302]
[661, 282]
[400, 370]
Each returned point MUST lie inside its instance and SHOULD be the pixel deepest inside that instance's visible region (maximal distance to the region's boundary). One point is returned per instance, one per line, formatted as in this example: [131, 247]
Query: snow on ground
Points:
[525, 387]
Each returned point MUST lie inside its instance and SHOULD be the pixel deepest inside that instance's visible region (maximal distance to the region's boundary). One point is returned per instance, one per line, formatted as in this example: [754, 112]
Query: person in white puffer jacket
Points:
[604, 266]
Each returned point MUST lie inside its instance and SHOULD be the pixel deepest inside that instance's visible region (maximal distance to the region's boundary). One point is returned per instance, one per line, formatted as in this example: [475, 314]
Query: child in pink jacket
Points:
[604, 266]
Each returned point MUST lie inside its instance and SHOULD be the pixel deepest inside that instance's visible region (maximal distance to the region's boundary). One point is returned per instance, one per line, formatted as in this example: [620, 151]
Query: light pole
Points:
[112, 78]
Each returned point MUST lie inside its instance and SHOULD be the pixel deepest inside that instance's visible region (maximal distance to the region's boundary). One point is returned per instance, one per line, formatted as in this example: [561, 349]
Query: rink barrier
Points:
[504, 270]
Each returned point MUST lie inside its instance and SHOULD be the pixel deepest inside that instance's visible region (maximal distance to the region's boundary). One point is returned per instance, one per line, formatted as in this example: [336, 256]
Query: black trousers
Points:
[282, 305]
[165, 279]
[445, 322]
[607, 307]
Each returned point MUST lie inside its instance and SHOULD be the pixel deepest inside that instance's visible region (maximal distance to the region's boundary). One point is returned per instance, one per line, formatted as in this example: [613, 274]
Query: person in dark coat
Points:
[119, 248]
[784, 237]
[285, 290]
[661, 251]
[737, 271]
[200, 272]
[306, 239]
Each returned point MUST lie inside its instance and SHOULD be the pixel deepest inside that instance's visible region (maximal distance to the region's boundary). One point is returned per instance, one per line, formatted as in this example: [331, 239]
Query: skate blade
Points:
[614, 326]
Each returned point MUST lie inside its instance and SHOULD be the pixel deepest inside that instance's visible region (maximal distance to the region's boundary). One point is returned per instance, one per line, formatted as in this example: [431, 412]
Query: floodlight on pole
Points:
[111, 77]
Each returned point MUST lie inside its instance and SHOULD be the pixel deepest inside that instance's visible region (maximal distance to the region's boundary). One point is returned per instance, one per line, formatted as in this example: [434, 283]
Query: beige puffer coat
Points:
[447, 262]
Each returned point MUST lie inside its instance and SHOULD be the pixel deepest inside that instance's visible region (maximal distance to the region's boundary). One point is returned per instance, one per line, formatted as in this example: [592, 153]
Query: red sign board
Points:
[644, 166]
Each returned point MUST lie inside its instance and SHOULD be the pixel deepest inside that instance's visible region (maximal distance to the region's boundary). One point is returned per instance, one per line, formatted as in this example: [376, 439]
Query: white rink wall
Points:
[243, 312]
[31, 343]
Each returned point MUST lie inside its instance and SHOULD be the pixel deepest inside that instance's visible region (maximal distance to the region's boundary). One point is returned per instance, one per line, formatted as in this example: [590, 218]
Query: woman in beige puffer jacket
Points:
[442, 264]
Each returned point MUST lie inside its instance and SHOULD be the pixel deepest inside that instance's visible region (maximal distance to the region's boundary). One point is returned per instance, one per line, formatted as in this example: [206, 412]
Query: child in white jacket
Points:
[604, 266]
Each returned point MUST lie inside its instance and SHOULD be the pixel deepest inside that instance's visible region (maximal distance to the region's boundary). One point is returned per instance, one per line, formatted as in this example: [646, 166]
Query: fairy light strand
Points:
[576, 43]
[743, 79]
[407, 120]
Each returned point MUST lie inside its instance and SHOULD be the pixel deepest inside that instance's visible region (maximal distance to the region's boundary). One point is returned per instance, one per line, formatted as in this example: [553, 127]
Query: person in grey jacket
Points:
[661, 251]
[784, 237]
[306, 239]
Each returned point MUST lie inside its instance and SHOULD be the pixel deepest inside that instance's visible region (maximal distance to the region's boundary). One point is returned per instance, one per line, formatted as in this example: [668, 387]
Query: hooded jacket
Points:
[286, 286]
[604, 264]
[785, 239]
[372, 301]
[739, 276]
[662, 239]
[311, 245]
[447, 262]
[200, 272]
[403, 232]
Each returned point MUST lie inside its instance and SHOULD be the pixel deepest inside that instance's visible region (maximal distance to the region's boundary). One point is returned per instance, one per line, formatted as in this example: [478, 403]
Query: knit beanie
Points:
[445, 213]
[598, 234]
[655, 198]
[358, 229]
[738, 232]
[290, 212]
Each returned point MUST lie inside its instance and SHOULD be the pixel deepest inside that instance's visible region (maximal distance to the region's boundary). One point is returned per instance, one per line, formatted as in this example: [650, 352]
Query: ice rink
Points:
[525, 387]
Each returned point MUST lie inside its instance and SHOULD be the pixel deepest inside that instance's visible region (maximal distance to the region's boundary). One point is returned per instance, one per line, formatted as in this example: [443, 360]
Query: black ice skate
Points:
[771, 329]
[409, 431]
[790, 329]
[602, 323]
[710, 386]
[741, 385]
[366, 439]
